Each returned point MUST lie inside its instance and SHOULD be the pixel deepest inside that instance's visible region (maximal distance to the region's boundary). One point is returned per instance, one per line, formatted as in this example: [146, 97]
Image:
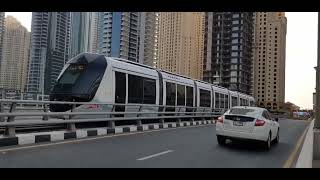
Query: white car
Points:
[248, 123]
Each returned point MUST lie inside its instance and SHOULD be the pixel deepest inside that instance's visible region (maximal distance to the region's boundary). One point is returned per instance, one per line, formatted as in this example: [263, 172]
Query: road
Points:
[194, 147]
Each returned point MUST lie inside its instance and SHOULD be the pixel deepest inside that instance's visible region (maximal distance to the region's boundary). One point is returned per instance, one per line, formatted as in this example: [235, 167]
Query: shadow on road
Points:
[246, 146]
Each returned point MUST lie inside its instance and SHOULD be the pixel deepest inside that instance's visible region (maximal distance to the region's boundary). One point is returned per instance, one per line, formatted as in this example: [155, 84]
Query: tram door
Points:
[120, 94]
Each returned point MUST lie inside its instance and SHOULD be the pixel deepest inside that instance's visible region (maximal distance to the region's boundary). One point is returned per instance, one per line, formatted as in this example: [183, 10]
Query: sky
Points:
[301, 55]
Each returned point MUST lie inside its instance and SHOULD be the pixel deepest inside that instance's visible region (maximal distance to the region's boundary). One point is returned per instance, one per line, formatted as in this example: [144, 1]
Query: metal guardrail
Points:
[8, 119]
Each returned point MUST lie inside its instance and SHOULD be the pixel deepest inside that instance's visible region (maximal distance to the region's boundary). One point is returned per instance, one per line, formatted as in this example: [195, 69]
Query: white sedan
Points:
[248, 123]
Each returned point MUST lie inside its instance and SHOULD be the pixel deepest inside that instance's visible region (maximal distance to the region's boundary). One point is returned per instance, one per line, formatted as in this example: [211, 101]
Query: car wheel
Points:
[276, 140]
[267, 144]
[221, 140]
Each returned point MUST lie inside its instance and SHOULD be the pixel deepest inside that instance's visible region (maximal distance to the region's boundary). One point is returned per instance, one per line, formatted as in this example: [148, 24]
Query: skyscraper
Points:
[49, 49]
[94, 32]
[269, 59]
[147, 28]
[118, 36]
[180, 43]
[83, 32]
[156, 40]
[2, 15]
[228, 50]
[14, 62]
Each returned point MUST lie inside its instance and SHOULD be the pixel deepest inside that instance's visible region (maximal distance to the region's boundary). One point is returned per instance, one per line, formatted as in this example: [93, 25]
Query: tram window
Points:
[234, 101]
[170, 94]
[181, 95]
[135, 92]
[205, 99]
[226, 101]
[149, 91]
[221, 101]
[241, 102]
[189, 96]
[217, 96]
[212, 100]
[120, 94]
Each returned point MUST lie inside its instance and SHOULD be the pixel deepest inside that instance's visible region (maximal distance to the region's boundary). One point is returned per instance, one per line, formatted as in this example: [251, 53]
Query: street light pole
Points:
[317, 117]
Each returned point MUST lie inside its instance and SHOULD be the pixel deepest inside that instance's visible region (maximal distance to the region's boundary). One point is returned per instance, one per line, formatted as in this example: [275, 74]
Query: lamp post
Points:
[316, 139]
[317, 120]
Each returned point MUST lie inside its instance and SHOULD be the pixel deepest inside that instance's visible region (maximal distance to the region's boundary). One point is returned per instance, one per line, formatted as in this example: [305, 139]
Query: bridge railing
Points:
[10, 117]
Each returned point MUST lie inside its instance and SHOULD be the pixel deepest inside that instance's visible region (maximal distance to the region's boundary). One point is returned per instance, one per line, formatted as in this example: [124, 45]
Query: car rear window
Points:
[243, 111]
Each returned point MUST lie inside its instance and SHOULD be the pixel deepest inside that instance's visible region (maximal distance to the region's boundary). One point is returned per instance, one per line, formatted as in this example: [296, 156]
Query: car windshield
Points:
[243, 111]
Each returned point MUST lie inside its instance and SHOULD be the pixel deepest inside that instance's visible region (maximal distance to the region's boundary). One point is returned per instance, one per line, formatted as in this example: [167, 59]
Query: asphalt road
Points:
[194, 147]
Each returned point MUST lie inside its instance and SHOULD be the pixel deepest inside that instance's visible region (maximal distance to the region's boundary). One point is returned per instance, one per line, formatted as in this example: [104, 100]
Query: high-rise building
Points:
[118, 34]
[83, 32]
[180, 43]
[49, 49]
[228, 50]
[156, 40]
[94, 32]
[269, 59]
[147, 25]
[15, 52]
[2, 15]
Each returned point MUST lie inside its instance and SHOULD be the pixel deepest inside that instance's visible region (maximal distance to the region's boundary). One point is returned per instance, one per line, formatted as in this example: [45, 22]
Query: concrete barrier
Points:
[306, 155]
[41, 137]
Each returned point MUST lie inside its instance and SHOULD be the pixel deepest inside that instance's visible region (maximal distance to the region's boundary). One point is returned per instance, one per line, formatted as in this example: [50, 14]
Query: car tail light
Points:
[259, 122]
[220, 119]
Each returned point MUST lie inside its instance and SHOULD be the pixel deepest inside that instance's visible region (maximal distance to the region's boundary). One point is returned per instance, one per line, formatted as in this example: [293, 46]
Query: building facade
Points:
[16, 41]
[50, 36]
[147, 30]
[180, 43]
[83, 32]
[118, 34]
[269, 59]
[94, 32]
[156, 40]
[2, 16]
[228, 50]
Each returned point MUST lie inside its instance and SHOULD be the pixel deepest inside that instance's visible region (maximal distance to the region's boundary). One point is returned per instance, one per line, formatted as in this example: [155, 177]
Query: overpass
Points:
[34, 137]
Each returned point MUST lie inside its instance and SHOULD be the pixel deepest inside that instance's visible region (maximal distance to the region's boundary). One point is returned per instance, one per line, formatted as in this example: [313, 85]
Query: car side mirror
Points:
[276, 119]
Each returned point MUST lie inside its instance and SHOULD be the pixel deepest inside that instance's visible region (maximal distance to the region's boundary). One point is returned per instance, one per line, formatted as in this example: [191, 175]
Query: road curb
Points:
[34, 138]
[306, 154]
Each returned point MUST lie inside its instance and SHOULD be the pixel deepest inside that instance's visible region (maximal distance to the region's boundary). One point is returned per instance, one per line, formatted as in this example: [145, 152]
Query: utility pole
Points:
[316, 139]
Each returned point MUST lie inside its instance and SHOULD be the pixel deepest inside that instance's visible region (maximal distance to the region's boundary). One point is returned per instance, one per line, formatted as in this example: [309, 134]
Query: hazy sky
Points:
[301, 54]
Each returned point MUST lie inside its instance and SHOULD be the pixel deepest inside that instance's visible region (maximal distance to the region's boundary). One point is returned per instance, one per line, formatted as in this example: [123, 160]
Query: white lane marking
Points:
[154, 155]
[90, 139]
